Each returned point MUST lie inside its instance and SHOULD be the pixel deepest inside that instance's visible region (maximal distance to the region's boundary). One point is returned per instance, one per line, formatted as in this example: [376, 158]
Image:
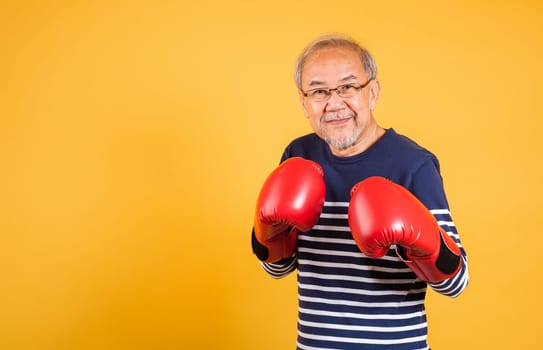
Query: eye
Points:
[319, 92]
[347, 88]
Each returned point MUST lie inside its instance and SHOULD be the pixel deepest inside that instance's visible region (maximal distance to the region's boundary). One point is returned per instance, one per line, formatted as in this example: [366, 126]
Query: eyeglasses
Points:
[343, 91]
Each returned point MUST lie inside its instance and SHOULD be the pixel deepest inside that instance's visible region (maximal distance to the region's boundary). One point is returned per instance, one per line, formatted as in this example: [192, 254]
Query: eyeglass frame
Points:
[357, 86]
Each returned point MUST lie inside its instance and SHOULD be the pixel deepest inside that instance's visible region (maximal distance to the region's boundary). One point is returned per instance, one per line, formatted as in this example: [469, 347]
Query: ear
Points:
[374, 90]
[302, 102]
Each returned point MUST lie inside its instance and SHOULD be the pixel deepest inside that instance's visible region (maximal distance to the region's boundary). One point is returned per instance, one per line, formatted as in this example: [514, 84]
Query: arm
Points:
[384, 214]
[427, 186]
[455, 285]
[290, 200]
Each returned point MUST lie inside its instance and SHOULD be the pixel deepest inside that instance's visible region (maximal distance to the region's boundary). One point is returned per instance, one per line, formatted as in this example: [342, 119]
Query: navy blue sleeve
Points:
[427, 186]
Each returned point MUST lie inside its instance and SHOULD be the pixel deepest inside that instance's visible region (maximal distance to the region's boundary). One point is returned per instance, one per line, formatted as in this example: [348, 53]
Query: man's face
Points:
[342, 122]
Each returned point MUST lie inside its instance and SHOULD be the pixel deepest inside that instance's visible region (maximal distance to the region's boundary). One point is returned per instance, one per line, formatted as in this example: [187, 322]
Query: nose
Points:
[335, 102]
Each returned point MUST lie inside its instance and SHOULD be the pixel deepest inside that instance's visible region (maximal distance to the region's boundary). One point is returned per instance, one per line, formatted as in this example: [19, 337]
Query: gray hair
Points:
[334, 41]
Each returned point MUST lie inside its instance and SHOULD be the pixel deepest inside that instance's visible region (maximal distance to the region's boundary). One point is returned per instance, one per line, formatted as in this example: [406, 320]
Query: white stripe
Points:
[360, 303]
[362, 340]
[332, 228]
[459, 282]
[456, 236]
[334, 216]
[363, 316]
[326, 239]
[278, 271]
[440, 211]
[352, 266]
[447, 223]
[336, 204]
[359, 291]
[303, 347]
[354, 279]
[343, 253]
[278, 268]
[456, 292]
[331, 252]
[346, 205]
[363, 328]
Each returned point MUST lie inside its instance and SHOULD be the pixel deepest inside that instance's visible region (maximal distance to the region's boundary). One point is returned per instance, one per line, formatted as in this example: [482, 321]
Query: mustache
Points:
[330, 116]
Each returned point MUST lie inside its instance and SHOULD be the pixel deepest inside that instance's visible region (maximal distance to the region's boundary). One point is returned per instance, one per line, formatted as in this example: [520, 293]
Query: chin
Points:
[340, 143]
[344, 142]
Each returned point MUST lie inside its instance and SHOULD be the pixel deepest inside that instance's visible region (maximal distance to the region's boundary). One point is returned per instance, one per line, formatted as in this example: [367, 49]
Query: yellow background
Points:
[135, 137]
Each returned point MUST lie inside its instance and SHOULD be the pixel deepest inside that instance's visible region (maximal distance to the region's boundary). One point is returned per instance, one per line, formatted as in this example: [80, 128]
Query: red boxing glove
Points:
[382, 213]
[291, 199]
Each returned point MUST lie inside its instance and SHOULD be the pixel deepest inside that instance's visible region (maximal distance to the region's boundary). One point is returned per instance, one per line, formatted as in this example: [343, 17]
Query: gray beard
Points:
[345, 142]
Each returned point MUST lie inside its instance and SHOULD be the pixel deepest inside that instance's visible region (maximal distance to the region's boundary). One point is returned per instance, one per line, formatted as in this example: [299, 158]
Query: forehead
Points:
[332, 65]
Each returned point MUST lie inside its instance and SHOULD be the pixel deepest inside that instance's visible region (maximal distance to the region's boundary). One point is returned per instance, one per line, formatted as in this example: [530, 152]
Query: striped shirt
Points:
[347, 300]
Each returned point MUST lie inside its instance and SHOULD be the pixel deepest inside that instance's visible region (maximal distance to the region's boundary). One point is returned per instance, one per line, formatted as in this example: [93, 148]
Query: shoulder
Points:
[404, 149]
[424, 178]
[305, 140]
[405, 143]
[308, 146]
[402, 160]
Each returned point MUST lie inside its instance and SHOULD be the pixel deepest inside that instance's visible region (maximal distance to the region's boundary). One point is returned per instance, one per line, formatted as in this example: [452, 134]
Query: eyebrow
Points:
[316, 82]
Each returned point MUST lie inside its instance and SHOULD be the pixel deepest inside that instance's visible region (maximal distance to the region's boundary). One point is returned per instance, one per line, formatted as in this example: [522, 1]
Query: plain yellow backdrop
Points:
[135, 136]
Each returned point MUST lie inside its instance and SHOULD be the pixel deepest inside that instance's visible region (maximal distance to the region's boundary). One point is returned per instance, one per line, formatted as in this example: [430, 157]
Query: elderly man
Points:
[359, 211]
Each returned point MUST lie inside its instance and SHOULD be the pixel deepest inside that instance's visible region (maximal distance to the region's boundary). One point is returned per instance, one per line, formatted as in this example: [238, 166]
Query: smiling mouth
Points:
[337, 119]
